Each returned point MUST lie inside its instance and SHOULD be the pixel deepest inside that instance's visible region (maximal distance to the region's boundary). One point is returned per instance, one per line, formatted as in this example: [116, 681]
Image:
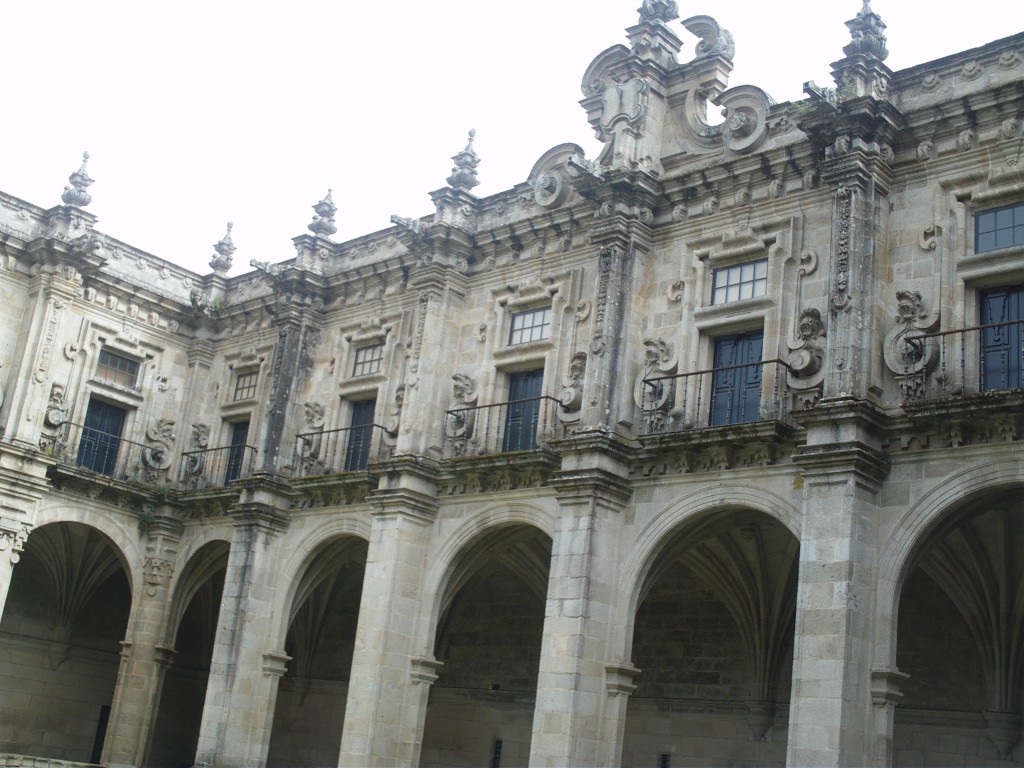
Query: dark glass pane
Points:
[523, 411]
[736, 391]
[357, 455]
[236, 454]
[101, 437]
[1001, 347]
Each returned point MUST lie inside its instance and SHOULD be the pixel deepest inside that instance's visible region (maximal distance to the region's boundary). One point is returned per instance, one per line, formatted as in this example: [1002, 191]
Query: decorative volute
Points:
[323, 217]
[76, 194]
[221, 261]
[464, 172]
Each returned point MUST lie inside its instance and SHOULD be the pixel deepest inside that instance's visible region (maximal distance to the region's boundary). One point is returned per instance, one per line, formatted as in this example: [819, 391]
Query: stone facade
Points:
[701, 452]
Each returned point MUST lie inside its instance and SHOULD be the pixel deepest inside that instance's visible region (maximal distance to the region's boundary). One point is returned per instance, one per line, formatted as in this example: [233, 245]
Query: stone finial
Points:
[464, 173]
[323, 218]
[866, 34]
[80, 179]
[658, 10]
[225, 248]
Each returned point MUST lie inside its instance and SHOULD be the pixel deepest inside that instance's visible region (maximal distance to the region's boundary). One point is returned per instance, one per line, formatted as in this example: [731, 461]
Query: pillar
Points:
[144, 660]
[388, 685]
[580, 710]
[831, 718]
[245, 670]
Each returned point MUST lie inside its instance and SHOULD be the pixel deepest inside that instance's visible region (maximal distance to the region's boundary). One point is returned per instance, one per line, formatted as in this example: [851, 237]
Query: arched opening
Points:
[713, 640]
[66, 615]
[960, 638]
[311, 696]
[480, 710]
[196, 607]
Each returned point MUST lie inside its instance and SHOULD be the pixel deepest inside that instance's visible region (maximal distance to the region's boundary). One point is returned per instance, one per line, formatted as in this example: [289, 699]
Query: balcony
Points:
[216, 467]
[964, 362]
[513, 426]
[718, 418]
[716, 397]
[84, 450]
[334, 451]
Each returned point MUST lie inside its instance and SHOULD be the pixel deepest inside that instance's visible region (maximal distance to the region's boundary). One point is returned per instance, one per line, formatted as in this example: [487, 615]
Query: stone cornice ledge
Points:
[868, 464]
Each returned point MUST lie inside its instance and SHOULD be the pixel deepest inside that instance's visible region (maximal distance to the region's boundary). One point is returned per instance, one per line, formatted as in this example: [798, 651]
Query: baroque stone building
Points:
[703, 451]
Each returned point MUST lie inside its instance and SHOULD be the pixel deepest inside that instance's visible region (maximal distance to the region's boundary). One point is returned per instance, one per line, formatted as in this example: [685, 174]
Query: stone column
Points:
[830, 720]
[579, 717]
[144, 661]
[387, 688]
[244, 673]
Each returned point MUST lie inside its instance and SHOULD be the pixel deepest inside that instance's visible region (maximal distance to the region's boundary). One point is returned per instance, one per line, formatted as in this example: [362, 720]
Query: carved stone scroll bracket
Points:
[310, 443]
[13, 541]
[460, 418]
[908, 352]
[807, 353]
[654, 398]
[393, 421]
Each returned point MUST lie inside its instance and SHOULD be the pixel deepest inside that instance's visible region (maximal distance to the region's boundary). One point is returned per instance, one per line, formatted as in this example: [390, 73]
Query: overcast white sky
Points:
[200, 112]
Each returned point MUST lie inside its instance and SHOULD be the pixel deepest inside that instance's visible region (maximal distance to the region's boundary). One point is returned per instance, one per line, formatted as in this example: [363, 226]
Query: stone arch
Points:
[122, 533]
[299, 559]
[443, 570]
[914, 527]
[658, 533]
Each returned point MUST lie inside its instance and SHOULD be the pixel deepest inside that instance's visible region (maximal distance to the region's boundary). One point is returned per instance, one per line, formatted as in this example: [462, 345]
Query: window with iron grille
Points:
[740, 281]
[999, 228]
[245, 386]
[368, 360]
[532, 325]
[117, 369]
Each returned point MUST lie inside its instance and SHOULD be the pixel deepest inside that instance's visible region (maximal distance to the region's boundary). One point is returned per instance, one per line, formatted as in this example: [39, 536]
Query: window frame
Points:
[242, 390]
[758, 280]
[1015, 227]
[543, 327]
[363, 366]
[120, 377]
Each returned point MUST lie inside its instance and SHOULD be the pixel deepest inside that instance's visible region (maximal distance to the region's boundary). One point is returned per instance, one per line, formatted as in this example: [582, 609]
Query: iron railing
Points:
[965, 361]
[106, 453]
[515, 425]
[329, 452]
[730, 394]
[216, 467]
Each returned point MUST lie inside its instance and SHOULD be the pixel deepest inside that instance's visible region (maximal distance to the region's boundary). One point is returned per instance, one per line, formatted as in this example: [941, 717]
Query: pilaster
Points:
[580, 710]
[242, 688]
[144, 661]
[830, 721]
[22, 484]
[388, 684]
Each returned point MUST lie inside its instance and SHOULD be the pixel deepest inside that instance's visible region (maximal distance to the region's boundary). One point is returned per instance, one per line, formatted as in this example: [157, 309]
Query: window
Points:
[360, 435]
[368, 360]
[1002, 337]
[101, 437]
[523, 410]
[117, 369]
[236, 453]
[532, 325]
[736, 381]
[245, 386]
[742, 281]
[999, 228]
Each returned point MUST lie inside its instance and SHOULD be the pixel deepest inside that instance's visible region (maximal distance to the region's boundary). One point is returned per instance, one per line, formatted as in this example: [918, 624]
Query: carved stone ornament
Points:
[310, 441]
[393, 420]
[76, 194]
[806, 373]
[658, 10]
[159, 450]
[195, 462]
[908, 353]
[54, 430]
[14, 541]
[659, 360]
[460, 416]
[224, 249]
[571, 396]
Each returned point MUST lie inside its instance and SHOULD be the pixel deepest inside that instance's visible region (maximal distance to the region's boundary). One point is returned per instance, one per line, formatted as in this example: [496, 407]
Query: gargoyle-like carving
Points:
[805, 373]
[571, 396]
[265, 266]
[908, 351]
